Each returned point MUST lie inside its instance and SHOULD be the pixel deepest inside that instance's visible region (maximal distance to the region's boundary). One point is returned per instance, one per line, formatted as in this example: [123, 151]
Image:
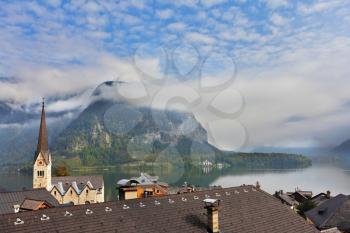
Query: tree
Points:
[305, 206]
[61, 170]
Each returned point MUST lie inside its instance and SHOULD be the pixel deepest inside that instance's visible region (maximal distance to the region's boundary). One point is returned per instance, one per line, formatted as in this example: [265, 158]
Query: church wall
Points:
[71, 196]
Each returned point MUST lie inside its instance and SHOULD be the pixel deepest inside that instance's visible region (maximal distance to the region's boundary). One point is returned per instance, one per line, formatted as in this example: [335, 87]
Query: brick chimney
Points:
[328, 194]
[212, 207]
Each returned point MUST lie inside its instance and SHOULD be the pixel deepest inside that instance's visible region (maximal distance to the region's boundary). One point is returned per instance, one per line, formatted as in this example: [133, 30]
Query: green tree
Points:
[305, 206]
[61, 170]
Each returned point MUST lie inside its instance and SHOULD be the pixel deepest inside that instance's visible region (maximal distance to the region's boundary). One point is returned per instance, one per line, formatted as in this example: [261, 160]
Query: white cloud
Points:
[210, 3]
[164, 14]
[276, 3]
[200, 38]
[319, 6]
[179, 26]
[278, 19]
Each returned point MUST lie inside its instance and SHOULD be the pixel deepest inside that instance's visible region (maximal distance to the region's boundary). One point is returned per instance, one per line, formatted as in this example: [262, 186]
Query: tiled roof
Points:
[242, 210]
[334, 212]
[30, 204]
[81, 181]
[9, 199]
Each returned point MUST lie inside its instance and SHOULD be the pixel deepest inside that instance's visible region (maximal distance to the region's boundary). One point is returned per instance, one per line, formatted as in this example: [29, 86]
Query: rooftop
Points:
[334, 212]
[242, 209]
[9, 199]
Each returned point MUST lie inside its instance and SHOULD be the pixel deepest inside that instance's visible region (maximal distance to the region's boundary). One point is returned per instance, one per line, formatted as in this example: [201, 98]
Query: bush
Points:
[61, 171]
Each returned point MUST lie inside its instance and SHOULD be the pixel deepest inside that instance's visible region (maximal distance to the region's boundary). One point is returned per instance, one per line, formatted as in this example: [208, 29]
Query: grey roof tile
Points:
[252, 211]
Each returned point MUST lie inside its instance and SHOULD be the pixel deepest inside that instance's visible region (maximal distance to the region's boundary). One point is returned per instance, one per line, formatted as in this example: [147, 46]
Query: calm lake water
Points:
[318, 178]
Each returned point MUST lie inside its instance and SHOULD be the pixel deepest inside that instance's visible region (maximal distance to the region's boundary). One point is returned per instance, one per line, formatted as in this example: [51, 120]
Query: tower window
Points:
[40, 173]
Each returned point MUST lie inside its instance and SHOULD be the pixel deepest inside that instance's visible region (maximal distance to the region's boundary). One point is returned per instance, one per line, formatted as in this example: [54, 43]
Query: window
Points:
[40, 173]
[87, 191]
[71, 192]
[54, 192]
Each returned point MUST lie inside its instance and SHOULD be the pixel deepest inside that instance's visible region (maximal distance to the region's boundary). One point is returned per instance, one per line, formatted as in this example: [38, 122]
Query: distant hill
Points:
[110, 131]
[343, 148]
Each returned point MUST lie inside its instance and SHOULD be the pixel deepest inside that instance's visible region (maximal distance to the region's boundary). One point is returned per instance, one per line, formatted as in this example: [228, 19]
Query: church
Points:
[67, 189]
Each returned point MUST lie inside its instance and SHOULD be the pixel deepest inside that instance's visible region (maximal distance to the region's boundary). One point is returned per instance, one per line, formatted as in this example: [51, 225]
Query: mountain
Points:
[343, 148]
[110, 131]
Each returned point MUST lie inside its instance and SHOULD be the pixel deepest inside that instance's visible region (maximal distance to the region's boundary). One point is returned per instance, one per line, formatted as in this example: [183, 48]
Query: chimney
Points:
[258, 186]
[328, 194]
[212, 207]
[16, 208]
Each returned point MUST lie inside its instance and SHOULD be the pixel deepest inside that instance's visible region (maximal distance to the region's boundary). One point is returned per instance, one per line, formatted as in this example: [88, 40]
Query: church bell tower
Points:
[42, 158]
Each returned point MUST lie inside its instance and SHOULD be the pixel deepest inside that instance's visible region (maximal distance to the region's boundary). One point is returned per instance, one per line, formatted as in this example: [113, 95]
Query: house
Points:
[11, 202]
[334, 212]
[320, 198]
[300, 196]
[71, 189]
[239, 209]
[286, 199]
[141, 187]
[331, 230]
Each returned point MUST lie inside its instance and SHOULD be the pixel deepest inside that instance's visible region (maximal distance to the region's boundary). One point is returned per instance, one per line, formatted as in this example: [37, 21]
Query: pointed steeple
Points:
[43, 145]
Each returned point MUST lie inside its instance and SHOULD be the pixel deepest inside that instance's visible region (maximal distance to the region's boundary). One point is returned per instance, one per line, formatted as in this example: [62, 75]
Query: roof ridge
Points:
[335, 211]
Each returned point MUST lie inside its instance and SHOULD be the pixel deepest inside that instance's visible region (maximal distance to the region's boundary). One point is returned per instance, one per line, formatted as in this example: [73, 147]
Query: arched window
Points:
[71, 192]
[87, 191]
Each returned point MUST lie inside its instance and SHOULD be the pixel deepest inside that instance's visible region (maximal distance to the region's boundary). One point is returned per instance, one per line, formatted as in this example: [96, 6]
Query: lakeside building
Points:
[332, 213]
[141, 187]
[26, 200]
[70, 189]
[242, 209]
[293, 199]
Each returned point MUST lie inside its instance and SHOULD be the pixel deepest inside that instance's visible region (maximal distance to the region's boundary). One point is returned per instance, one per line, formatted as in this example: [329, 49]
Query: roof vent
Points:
[195, 197]
[88, 211]
[108, 209]
[67, 213]
[156, 202]
[44, 217]
[125, 207]
[18, 221]
[171, 201]
[142, 205]
[16, 208]
[228, 193]
[184, 199]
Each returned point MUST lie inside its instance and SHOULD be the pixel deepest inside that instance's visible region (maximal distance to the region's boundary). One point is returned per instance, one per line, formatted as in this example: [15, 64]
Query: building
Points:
[239, 209]
[11, 202]
[332, 213]
[141, 187]
[286, 199]
[73, 189]
[320, 198]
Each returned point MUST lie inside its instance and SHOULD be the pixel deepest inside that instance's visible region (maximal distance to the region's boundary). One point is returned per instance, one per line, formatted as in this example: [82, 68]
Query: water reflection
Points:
[317, 178]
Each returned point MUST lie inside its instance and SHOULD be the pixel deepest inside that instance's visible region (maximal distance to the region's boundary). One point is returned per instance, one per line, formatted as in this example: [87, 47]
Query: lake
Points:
[317, 178]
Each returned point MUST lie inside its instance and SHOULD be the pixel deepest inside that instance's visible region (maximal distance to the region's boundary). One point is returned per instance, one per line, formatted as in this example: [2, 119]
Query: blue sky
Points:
[289, 57]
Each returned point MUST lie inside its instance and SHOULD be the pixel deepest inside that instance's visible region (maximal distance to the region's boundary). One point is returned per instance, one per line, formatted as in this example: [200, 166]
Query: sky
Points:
[264, 73]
